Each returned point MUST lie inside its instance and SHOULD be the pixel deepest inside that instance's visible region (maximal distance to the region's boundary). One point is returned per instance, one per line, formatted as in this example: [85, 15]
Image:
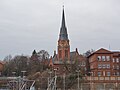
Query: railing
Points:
[52, 83]
[18, 83]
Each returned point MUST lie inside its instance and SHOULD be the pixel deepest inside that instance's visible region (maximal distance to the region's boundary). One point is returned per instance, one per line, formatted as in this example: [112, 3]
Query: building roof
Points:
[101, 51]
[63, 30]
[73, 55]
[116, 53]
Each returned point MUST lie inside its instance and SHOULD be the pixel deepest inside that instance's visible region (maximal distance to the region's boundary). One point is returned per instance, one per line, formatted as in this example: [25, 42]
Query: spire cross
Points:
[63, 6]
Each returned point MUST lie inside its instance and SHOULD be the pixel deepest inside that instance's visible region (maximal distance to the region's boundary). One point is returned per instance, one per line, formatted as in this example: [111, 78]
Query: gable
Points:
[102, 50]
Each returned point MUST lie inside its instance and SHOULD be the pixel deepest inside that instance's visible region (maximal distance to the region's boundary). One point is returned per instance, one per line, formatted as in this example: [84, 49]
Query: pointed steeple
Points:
[63, 30]
[63, 19]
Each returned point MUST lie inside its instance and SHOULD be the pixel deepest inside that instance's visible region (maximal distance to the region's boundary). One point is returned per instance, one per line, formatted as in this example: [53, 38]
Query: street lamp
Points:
[116, 82]
[78, 71]
[91, 74]
[13, 73]
[50, 79]
[50, 72]
[64, 72]
[64, 80]
[55, 77]
[55, 71]
[23, 73]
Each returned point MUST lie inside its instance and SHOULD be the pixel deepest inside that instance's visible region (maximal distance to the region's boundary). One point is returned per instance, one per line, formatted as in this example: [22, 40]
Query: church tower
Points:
[63, 42]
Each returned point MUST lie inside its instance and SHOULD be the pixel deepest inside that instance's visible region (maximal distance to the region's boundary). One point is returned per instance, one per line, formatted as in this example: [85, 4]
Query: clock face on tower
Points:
[64, 44]
[61, 44]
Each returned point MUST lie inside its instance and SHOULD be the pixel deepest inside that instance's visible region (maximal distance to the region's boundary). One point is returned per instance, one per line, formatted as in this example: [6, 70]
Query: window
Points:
[117, 60]
[108, 73]
[82, 63]
[99, 58]
[108, 65]
[108, 58]
[99, 73]
[90, 60]
[113, 67]
[103, 66]
[99, 66]
[66, 53]
[103, 58]
[113, 60]
[117, 73]
[113, 73]
[117, 66]
[60, 54]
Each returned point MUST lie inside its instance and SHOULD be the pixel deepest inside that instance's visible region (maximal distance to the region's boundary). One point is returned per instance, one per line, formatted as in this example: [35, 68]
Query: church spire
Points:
[63, 19]
[63, 42]
[63, 30]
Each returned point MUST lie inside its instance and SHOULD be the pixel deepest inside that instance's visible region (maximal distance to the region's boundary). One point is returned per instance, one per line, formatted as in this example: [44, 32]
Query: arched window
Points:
[66, 53]
[60, 54]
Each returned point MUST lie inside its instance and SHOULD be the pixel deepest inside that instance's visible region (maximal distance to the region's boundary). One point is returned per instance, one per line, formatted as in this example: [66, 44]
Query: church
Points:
[64, 56]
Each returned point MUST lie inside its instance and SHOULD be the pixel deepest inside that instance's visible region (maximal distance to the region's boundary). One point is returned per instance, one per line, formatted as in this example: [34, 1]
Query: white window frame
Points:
[108, 66]
[117, 73]
[108, 73]
[117, 60]
[99, 66]
[104, 66]
[113, 59]
[99, 73]
[103, 58]
[117, 67]
[108, 58]
[99, 58]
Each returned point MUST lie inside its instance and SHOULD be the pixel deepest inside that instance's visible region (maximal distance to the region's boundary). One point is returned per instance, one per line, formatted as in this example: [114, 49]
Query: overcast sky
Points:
[26, 25]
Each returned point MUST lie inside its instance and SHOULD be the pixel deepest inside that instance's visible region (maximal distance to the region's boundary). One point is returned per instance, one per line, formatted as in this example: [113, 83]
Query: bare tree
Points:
[43, 55]
[89, 52]
[16, 64]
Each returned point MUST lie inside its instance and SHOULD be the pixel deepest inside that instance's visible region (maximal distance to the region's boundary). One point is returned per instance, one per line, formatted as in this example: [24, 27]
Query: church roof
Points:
[63, 30]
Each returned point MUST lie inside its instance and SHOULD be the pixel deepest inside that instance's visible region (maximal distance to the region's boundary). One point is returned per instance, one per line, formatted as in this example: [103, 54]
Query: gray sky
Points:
[26, 25]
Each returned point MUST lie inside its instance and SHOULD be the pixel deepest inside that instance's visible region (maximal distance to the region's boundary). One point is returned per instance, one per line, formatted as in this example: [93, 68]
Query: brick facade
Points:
[104, 63]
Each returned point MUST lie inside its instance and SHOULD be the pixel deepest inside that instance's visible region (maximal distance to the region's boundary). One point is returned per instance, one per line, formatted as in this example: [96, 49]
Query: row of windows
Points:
[103, 66]
[82, 63]
[103, 58]
[108, 74]
[116, 67]
[107, 58]
[108, 66]
[116, 60]
[116, 73]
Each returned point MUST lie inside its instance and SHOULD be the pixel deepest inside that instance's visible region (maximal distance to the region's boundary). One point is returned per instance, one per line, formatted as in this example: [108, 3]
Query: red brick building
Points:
[104, 63]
